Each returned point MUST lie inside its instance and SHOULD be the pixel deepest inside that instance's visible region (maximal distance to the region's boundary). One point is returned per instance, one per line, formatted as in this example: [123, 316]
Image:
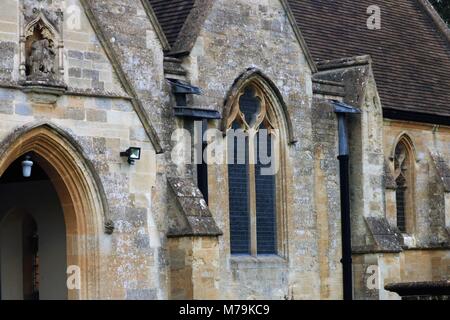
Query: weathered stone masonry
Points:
[101, 87]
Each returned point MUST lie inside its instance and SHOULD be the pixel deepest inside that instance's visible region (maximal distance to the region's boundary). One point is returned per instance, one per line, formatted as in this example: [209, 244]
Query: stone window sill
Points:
[409, 241]
[258, 262]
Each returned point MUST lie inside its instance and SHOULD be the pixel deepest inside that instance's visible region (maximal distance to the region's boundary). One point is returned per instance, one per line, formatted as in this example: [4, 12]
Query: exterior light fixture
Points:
[133, 154]
[27, 164]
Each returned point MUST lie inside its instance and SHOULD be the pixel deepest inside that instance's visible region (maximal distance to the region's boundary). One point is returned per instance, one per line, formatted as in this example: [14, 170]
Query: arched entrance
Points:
[62, 181]
[33, 260]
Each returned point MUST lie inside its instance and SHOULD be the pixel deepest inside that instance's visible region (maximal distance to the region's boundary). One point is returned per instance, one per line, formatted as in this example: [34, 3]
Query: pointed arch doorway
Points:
[50, 222]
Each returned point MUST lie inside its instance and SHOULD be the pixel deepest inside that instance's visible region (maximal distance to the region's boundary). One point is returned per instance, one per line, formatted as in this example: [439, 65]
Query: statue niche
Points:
[41, 55]
[41, 67]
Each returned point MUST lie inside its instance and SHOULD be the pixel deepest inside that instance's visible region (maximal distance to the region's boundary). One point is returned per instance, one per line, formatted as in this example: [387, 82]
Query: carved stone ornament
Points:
[400, 160]
[261, 117]
[109, 227]
[41, 61]
[41, 48]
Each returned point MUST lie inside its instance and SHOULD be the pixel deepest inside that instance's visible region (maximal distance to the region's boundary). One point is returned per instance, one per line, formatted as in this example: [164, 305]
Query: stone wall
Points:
[431, 145]
[327, 197]
[425, 255]
[99, 114]
[117, 97]
[194, 269]
[238, 35]
[382, 255]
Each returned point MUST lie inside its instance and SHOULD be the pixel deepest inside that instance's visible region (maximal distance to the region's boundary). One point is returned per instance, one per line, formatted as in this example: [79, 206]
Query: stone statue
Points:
[42, 59]
[400, 159]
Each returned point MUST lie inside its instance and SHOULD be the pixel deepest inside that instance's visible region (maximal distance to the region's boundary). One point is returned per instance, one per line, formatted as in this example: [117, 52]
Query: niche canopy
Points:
[41, 48]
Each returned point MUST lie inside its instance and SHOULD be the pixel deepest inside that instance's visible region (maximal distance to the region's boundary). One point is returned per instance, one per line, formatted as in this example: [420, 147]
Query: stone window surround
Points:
[410, 214]
[274, 116]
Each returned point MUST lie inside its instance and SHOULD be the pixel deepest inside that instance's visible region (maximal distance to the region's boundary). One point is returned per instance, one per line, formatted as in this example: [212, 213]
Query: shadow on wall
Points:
[33, 260]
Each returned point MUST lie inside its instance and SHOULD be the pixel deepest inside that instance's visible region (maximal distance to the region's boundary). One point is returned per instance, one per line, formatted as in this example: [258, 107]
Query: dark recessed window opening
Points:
[202, 168]
[252, 213]
[403, 179]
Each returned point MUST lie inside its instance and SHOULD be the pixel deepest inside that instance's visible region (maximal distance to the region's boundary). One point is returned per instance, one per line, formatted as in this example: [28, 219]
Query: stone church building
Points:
[108, 101]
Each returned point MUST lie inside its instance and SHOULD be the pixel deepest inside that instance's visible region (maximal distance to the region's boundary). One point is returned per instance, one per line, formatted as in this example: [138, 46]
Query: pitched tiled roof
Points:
[172, 15]
[411, 58]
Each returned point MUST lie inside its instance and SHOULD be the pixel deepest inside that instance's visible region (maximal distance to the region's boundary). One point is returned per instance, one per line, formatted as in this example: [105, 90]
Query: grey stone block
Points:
[76, 54]
[6, 107]
[96, 115]
[24, 109]
[91, 74]
[104, 104]
[75, 72]
[94, 57]
[74, 113]
[141, 294]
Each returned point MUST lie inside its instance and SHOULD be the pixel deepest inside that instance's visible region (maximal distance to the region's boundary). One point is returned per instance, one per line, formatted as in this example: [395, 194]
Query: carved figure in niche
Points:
[41, 49]
[400, 160]
[41, 62]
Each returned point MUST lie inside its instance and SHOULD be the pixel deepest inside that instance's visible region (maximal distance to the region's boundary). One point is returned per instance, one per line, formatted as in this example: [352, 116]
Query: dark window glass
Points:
[265, 198]
[239, 182]
[239, 202]
[202, 169]
[401, 167]
[401, 221]
[250, 106]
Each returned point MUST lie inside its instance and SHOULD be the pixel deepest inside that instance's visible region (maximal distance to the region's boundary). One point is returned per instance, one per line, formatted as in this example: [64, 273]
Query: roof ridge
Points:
[345, 62]
[436, 18]
[172, 16]
[411, 51]
[122, 75]
[299, 35]
[192, 25]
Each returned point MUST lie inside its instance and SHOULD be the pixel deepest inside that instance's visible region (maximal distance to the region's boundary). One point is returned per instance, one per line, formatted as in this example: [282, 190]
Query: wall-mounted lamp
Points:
[27, 164]
[133, 154]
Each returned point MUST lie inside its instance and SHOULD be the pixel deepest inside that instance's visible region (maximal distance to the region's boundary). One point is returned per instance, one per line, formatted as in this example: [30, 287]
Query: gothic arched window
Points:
[405, 185]
[252, 175]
